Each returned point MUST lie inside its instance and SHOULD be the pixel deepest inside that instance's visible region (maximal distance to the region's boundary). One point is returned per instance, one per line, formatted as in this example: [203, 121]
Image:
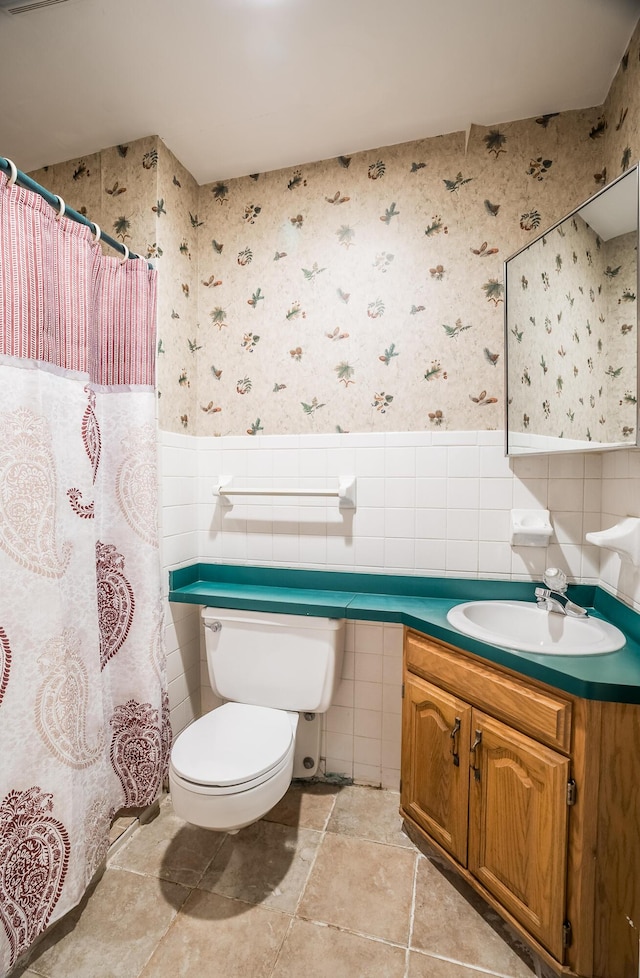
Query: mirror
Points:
[571, 330]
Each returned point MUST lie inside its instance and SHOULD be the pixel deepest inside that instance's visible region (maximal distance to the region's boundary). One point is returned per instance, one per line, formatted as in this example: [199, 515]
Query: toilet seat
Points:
[234, 748]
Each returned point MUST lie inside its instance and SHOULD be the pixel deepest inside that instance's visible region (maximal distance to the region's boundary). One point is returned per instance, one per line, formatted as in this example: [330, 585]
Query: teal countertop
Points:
[422, 603]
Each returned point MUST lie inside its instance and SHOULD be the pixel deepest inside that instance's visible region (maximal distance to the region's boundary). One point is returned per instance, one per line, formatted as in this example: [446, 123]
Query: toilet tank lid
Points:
[232, 744]
[267, 618]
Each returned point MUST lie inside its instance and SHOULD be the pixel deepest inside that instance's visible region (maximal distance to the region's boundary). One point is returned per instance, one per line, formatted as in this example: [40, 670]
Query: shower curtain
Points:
[84, 726]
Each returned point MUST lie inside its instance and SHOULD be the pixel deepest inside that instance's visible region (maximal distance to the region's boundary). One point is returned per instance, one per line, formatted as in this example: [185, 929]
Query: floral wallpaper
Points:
[361, 293]
[572, 315]
[115, 188]
[176, 248]
[364, 293]
[619, 121]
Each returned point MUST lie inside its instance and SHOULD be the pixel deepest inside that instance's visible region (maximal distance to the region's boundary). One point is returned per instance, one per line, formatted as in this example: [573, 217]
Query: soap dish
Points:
[530, 527]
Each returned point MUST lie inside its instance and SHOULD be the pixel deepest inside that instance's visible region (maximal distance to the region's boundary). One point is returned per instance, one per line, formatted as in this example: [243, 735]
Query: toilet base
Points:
[230, 811]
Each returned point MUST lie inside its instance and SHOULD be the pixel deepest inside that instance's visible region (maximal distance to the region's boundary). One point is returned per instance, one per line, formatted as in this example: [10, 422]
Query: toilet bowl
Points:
[231, 766]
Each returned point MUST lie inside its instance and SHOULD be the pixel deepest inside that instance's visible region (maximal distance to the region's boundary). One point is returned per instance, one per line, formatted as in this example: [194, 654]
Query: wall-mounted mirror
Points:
[571, 330]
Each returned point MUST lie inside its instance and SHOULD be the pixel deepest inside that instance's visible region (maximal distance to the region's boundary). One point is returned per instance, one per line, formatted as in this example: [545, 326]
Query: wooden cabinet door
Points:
[518, 821]
[435, 764]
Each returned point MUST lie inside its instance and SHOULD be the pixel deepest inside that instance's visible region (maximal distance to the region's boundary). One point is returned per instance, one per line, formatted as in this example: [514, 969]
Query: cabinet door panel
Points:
[435, 789]
[518, 827]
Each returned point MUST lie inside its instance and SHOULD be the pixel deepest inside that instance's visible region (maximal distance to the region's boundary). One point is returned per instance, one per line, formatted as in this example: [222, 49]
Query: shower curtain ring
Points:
[14, 173]
[126, 254]
[98, 233]
[62, 209]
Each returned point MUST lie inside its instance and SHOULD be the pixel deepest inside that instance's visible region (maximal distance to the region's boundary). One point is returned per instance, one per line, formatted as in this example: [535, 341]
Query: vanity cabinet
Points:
[514, 783]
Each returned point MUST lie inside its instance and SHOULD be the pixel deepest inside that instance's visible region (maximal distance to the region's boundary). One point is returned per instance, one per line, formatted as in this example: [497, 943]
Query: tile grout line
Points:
[294, 915]
[224, 837]
[355, 933]
[328, 818]
[337, 927]
[282, 944]
[414, 889]
[476, 968]
[163, 937]
[130, 832]
[323, 835]
[432, 954]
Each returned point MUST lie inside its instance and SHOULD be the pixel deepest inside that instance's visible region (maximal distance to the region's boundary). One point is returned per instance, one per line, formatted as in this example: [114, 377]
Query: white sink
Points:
[523, 626]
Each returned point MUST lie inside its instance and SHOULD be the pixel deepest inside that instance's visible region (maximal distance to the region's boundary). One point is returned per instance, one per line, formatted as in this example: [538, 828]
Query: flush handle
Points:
[215, 626]
[454, 742]
[475, 767]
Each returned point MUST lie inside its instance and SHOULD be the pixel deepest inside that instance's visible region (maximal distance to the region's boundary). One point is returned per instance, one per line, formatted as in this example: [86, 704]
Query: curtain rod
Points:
[17, 176]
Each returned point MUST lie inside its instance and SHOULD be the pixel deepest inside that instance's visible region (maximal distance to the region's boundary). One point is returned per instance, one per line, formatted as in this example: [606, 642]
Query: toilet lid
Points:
[233, 744]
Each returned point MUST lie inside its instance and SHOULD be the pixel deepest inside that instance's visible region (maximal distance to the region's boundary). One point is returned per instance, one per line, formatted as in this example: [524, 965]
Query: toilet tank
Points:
[289, 662]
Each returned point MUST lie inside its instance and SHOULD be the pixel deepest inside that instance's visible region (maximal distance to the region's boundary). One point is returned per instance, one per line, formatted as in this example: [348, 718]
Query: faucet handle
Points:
[555, 579]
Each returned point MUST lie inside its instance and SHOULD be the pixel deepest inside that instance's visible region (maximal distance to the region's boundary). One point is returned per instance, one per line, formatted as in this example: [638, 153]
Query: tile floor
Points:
[327, 885]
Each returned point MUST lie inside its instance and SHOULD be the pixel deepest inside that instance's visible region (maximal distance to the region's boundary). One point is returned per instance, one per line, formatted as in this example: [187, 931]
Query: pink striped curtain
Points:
[84, 729]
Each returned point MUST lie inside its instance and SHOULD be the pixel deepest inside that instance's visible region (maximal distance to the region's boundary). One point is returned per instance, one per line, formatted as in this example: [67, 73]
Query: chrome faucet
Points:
[553, 597]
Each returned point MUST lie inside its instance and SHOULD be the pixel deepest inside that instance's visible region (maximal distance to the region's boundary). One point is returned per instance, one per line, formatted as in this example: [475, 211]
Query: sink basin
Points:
[523, 626]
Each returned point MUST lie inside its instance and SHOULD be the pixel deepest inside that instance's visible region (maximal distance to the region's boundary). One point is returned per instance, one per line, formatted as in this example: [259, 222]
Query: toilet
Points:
[231, 766]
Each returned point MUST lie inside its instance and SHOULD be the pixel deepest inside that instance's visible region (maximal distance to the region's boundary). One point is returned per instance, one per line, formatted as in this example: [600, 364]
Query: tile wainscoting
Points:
[428, 503]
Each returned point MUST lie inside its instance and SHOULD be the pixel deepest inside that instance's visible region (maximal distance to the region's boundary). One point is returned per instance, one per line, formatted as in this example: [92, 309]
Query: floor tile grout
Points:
[159, 942]
[208, 863]
[476, 968]
[355, 933]
[325, 827]
[282, 944]
[407, 959]
[306, 882]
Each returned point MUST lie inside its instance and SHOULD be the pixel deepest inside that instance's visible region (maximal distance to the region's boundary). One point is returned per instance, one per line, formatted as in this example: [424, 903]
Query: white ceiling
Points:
[243, 86]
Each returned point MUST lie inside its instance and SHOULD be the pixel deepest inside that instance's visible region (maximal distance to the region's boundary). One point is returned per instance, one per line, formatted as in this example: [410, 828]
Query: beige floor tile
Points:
[114, 931]
[362, 886]
[446, 923]
[306, 805]
[265, 863]
[169, 848]
[214, 937]
[316, 951]
[369, 813]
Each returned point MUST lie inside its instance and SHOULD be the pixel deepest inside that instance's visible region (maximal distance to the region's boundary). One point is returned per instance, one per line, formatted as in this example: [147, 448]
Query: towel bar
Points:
[345, 493]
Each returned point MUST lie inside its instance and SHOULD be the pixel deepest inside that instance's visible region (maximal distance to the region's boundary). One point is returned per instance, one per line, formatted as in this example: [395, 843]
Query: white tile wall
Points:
[178, 529]
[620, 498]
[362, 727]
[431, 503]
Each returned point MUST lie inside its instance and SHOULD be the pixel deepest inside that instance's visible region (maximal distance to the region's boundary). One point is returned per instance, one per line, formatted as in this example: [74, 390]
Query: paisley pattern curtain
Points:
[84, 726]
